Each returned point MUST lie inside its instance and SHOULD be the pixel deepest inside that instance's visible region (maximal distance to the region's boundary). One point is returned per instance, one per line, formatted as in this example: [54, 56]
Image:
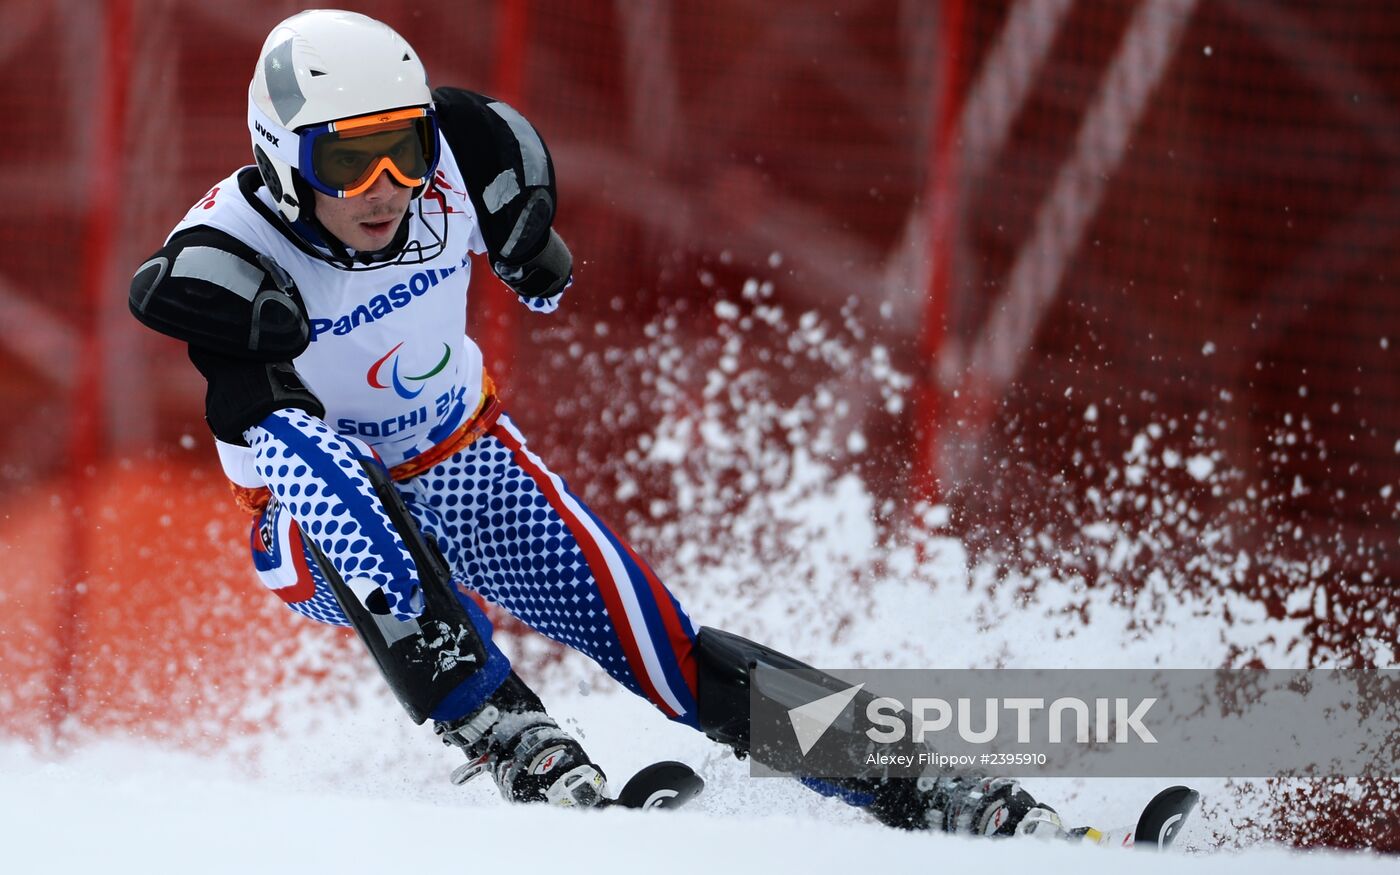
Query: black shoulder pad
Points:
[216, 292]
[507, 168]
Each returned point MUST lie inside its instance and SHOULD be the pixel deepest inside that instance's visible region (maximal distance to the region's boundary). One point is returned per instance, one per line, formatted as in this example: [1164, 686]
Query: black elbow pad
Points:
[510, 179]
[215, 292]
[242, 392]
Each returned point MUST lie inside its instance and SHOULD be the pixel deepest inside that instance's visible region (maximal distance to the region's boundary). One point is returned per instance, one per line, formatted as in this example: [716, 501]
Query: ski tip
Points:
[666, 784]
[1176, 795]
[1162, 819]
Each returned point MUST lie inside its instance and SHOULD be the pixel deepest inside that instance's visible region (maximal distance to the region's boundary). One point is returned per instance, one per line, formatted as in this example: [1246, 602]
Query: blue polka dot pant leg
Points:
[321, 493]
[515, 533]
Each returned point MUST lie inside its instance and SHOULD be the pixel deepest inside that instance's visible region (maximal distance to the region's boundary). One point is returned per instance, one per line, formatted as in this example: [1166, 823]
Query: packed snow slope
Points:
[115, 811]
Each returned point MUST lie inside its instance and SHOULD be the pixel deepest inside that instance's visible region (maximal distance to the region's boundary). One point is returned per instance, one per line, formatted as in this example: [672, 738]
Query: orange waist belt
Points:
[253, 499]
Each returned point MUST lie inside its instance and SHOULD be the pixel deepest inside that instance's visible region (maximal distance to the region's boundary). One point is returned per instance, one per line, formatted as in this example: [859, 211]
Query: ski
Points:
[1161, 821]
[1157, 827]
[660, 785]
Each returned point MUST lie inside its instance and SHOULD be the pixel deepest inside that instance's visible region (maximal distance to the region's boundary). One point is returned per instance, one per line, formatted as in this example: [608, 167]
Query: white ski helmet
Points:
[325, 66]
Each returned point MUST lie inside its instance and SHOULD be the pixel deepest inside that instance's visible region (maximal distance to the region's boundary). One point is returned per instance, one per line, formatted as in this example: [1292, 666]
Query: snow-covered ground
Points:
[358, 788]
[119, 808]
[339, 778]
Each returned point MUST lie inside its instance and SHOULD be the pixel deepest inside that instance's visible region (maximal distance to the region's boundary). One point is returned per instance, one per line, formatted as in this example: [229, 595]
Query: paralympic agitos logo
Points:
[400, 382]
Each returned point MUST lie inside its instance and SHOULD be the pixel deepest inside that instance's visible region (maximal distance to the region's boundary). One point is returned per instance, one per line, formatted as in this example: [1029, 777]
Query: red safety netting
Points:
[1180, 247]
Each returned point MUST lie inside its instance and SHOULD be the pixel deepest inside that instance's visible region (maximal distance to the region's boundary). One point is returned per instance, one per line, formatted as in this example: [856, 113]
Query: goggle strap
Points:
[273, 137]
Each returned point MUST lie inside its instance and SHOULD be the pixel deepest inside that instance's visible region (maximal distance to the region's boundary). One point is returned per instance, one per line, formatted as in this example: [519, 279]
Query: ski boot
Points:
[965, 805]
[525, 751]
[1102, 838]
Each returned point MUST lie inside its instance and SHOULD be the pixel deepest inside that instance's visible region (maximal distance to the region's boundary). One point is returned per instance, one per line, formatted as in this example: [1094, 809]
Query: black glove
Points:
[545, 275]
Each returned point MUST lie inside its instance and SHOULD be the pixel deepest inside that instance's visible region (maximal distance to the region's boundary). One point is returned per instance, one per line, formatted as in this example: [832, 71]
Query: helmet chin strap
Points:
[327, 241]
[313, 234]
[392, 249]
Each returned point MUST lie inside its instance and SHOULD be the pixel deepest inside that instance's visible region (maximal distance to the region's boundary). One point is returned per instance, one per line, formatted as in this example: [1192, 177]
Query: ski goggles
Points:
[344, 158]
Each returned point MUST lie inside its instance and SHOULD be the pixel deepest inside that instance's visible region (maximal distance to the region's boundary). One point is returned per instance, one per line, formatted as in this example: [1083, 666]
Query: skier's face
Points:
[368, 221]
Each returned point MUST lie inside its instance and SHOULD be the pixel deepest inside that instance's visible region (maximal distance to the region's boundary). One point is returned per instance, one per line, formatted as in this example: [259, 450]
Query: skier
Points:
[322, 293]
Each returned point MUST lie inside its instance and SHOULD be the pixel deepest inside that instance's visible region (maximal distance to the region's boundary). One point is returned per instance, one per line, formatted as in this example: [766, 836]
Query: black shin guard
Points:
[426, 659]
[725, 664]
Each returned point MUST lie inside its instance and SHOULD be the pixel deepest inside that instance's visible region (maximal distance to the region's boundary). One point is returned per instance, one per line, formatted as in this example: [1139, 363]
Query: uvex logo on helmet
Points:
[265, 132]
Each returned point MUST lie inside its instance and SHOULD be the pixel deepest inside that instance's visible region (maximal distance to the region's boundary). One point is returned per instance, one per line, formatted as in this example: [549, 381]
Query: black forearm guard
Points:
[242, 392]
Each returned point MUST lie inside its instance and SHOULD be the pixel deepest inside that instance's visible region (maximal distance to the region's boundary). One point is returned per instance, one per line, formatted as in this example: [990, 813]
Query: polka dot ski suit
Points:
[509, 528]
